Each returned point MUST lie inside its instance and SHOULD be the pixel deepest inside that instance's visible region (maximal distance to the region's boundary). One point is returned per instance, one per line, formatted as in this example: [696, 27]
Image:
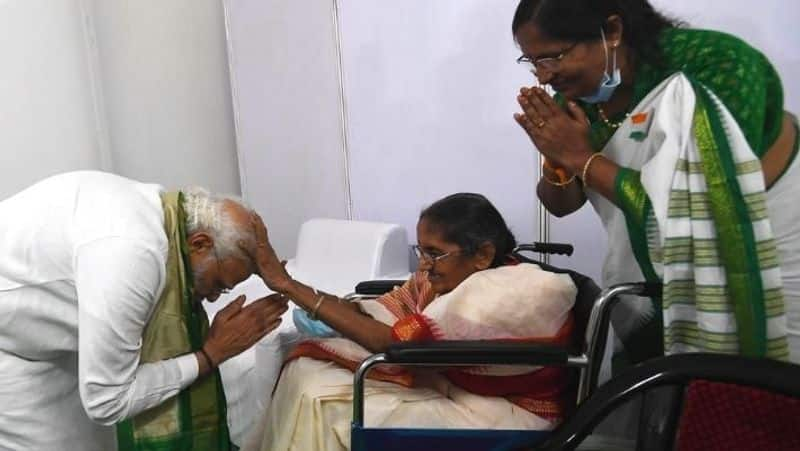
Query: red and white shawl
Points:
[517, 302]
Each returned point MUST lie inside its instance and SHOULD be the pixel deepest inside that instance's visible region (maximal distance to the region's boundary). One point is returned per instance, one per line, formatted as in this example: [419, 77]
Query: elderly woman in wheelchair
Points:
[466, 288]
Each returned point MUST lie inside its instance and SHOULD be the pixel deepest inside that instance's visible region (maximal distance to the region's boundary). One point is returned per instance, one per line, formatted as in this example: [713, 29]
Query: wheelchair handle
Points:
[651, 289]
[546, 248]
[377, 287]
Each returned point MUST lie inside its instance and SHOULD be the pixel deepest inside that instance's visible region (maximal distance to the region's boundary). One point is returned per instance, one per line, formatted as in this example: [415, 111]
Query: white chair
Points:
[333, 256]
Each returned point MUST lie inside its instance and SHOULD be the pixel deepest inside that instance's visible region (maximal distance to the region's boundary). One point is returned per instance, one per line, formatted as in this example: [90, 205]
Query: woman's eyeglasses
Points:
[431, 257]
[547, 64]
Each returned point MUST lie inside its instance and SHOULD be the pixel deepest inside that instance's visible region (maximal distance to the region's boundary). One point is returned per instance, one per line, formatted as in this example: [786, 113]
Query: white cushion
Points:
[333, 255]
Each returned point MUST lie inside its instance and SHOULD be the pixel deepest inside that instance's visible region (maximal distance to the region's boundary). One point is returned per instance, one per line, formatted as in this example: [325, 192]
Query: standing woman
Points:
[679, 140]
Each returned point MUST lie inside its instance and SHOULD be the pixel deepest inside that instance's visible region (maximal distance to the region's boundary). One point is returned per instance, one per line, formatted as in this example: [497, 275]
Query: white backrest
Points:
[333, 255]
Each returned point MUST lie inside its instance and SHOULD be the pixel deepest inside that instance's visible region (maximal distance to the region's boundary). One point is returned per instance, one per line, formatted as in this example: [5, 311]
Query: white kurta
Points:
[82, 264]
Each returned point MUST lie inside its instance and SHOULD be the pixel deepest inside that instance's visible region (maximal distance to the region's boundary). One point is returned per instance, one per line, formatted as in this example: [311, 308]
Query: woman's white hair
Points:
[205, 212]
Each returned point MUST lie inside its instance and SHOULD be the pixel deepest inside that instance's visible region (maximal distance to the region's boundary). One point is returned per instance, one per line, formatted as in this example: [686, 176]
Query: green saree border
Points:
[125, 434]
[647, 341]
[193, 326]
[636, 207]
[737, 244]
[218, 437]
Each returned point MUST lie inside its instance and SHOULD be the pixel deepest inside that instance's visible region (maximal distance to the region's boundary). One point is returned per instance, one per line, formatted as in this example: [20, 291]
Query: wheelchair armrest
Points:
[475, 353]
[377, 287]
[600, 321]
[448, 353]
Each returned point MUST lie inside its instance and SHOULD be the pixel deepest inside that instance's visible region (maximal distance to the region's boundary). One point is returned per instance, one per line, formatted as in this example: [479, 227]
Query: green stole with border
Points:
[723, 216]
[195, 419]
[718, 62]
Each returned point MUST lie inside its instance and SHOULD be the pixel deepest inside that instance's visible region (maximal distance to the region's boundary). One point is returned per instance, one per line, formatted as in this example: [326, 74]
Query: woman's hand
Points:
[560, 135]
[271, 269]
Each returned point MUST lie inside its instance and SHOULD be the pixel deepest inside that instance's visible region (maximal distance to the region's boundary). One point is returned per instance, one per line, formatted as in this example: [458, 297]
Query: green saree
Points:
[715, 206]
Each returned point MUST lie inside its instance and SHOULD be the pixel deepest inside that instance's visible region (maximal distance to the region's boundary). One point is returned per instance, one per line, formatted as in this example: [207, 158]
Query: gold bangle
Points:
[586, 165]
[562, 175]
[313, 314]
[561, 184]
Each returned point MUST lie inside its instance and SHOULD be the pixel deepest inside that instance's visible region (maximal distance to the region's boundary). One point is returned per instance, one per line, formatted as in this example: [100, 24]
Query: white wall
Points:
[136, 88]
[164, 78]
[47, 113]
[431, 92]
[285, 75]
[399, 143]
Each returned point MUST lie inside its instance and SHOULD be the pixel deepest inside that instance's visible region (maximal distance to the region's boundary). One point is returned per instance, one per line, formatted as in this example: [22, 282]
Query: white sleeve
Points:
[118, 282]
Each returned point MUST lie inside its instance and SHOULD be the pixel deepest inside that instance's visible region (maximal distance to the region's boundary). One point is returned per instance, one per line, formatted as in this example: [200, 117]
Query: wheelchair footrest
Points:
[373, 439]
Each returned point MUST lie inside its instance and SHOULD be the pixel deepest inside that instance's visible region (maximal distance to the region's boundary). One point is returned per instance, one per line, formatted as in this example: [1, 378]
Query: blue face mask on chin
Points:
[609, 82]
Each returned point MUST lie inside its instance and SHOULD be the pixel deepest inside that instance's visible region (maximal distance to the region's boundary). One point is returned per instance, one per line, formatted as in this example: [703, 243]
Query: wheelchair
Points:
[715, 402]
[592, 312]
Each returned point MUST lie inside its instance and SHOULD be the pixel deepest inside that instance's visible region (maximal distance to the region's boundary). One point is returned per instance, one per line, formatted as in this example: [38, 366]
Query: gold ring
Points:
[541, 123]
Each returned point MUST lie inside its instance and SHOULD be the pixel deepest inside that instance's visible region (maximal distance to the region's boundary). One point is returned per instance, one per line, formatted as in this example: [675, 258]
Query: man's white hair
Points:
[205, 212]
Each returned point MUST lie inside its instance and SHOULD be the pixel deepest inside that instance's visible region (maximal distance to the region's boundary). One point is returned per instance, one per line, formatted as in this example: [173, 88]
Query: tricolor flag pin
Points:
[640, 125]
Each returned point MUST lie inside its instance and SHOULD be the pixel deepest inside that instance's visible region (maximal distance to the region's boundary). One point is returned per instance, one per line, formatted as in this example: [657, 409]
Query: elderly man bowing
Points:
[101, 280]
